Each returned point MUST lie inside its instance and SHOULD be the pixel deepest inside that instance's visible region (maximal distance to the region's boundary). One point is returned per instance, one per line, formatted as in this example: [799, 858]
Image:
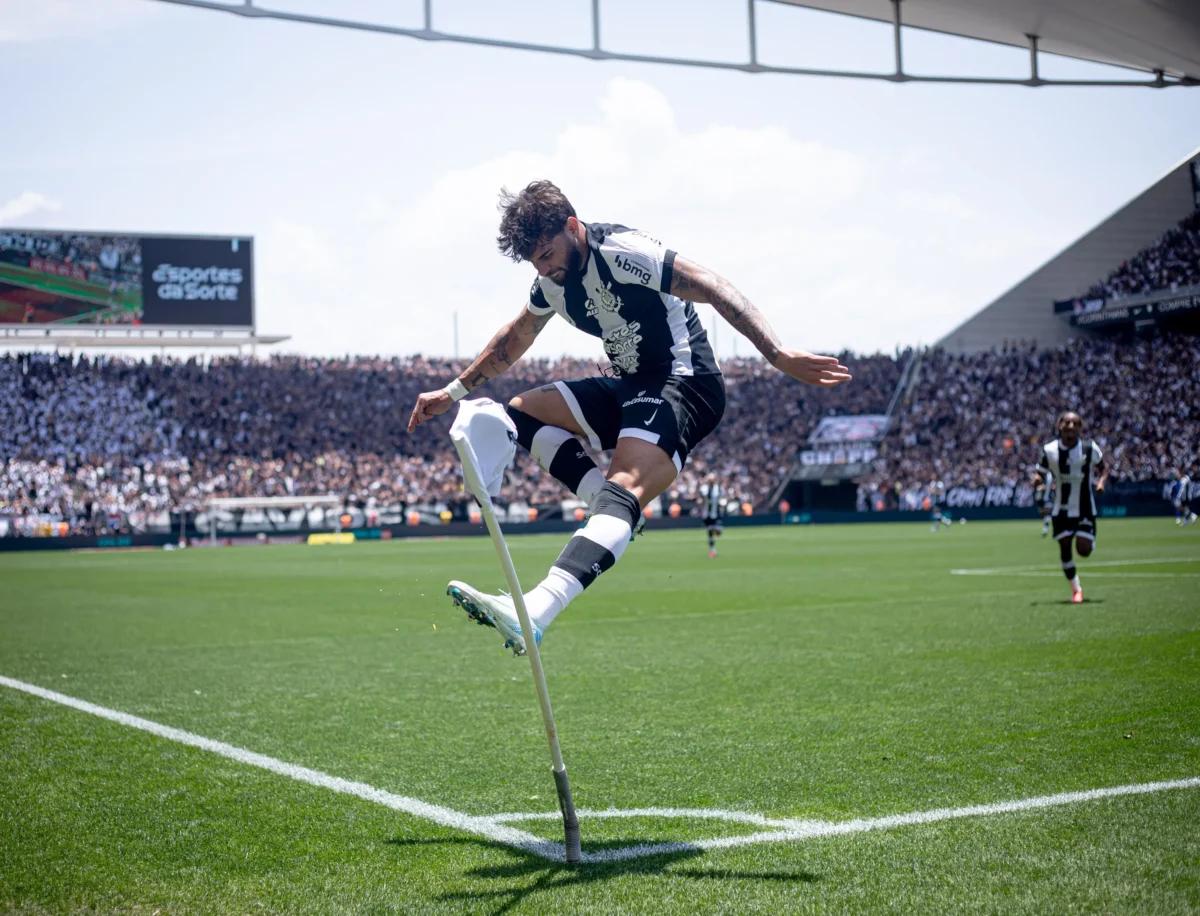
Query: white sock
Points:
[1075, 586]
[594, 548]
[552, 596]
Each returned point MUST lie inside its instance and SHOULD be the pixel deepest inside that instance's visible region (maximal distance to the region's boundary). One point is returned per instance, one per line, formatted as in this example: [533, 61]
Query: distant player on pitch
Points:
[1072, 462]
[937, 495]
[1181, 493]
[712, 504]
[665, 396]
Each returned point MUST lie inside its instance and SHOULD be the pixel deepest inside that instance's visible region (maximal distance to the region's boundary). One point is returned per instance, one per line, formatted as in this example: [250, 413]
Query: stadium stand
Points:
[977, 419]
[1173, 261]
[89, 441]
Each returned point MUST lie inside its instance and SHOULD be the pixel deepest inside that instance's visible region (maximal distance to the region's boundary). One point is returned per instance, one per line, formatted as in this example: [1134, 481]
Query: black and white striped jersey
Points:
[1072, 473]
[713, 497]
[624, 298]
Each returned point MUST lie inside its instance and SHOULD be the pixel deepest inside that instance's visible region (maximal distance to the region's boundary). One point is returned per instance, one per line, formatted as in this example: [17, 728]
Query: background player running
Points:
[665, 396]
[937, 494]
[1181, 496]
[1043, 497]
[1072, 462]
[712, 505]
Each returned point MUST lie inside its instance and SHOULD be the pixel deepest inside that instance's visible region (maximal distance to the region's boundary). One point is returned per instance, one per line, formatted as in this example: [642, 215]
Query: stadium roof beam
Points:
[1150, 40]
[121, 335]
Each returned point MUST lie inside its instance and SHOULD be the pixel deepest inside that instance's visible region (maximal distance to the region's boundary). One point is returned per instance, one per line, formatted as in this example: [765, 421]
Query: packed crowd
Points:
[1170, 263]
[90, 440]
[87, 440]
[980, 419]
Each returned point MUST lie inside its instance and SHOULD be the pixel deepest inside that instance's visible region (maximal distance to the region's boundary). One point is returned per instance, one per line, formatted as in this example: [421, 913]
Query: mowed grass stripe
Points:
[496, 829]
[873, 682]
[445, 817]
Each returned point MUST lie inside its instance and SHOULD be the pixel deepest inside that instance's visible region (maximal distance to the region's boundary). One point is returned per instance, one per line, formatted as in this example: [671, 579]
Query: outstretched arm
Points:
[505, 348]
[699, 284]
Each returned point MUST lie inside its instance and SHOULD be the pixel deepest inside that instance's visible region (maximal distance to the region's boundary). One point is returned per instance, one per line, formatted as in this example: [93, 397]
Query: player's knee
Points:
[1084, 547]
[526, 425]
[1064, 549]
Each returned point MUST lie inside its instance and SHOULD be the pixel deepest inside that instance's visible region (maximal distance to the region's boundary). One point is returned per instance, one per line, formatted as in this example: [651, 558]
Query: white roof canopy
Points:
[1160, 38]
[1150, 35]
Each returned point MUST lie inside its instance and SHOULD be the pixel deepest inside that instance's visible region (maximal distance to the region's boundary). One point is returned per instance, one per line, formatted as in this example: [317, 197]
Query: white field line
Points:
[494, 828]
[1087, 564]
[1090, 575]
[447, 817]
[708, 814]
[812, 829]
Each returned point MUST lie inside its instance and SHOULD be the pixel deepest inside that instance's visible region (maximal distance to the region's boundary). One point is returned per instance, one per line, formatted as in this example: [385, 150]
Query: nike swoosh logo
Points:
[652, 416]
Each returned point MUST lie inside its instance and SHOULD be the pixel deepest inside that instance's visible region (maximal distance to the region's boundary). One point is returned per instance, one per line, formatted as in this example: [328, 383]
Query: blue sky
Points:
[855, 214]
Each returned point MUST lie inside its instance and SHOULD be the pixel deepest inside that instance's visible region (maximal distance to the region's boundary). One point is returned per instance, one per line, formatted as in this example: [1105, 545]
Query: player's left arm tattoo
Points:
[504, 349]
[694, 283]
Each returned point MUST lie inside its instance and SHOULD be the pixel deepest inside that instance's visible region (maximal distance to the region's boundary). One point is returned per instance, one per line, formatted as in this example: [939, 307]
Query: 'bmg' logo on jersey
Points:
[633, 268]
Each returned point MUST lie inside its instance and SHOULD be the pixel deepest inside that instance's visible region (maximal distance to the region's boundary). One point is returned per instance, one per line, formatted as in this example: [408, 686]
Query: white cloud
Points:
[38, 20]
[837, 249]
[26, 203]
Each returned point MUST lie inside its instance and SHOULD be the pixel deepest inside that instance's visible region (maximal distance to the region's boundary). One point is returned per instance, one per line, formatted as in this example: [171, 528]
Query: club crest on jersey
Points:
[609, 301]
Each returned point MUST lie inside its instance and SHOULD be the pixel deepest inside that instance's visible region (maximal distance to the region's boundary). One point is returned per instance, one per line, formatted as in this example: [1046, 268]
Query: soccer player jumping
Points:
[665, 395]
[1071, 462]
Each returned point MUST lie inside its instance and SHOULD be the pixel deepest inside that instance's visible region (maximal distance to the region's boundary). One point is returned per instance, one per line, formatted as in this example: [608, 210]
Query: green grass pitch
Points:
[814, 673]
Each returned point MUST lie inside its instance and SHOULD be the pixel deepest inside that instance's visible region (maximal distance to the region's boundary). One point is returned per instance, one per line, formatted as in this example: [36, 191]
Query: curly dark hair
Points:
[536, 213]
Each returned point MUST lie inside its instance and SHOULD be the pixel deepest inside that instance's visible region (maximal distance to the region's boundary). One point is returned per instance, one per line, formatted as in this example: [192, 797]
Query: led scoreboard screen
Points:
[63, 278]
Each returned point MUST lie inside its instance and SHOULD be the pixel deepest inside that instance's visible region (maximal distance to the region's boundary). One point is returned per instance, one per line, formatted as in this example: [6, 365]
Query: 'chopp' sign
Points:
[198, 281]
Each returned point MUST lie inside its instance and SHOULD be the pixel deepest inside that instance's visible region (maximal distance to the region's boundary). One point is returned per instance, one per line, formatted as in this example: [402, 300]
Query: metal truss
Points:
[252, 9]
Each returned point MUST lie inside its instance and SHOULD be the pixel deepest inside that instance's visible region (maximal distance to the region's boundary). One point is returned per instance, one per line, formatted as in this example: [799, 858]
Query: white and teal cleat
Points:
[493, 611]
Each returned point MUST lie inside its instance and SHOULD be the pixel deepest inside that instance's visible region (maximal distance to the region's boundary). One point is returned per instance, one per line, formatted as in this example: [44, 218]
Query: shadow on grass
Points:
[548, 876]
[1067, 601]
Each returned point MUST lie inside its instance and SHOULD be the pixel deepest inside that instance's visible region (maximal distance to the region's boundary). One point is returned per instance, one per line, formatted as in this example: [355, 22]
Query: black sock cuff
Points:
[527, 426]
[618, 502]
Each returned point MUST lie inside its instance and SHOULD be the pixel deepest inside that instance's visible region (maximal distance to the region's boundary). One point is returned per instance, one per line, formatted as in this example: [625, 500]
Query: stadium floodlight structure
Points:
[1158, 38]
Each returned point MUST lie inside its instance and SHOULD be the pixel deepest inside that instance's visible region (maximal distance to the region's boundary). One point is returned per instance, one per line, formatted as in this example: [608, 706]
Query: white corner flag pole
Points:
[570, 822]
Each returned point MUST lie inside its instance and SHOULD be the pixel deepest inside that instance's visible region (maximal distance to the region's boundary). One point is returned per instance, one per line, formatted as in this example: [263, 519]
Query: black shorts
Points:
[674, 412]
[1084, 527]
[713, 523]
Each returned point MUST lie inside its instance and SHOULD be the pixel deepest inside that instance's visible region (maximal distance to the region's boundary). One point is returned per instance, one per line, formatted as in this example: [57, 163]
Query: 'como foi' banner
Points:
[64, 278]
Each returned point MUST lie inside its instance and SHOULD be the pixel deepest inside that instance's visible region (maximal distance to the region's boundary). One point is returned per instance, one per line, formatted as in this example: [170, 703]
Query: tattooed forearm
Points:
[698, 284]
[508, 346]
[495, 359]
[743, 315]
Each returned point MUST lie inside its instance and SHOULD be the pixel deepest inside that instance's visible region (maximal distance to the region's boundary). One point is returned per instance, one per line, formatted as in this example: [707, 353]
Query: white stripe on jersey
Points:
[1072, 483]
[713, 496]
[681, 349]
